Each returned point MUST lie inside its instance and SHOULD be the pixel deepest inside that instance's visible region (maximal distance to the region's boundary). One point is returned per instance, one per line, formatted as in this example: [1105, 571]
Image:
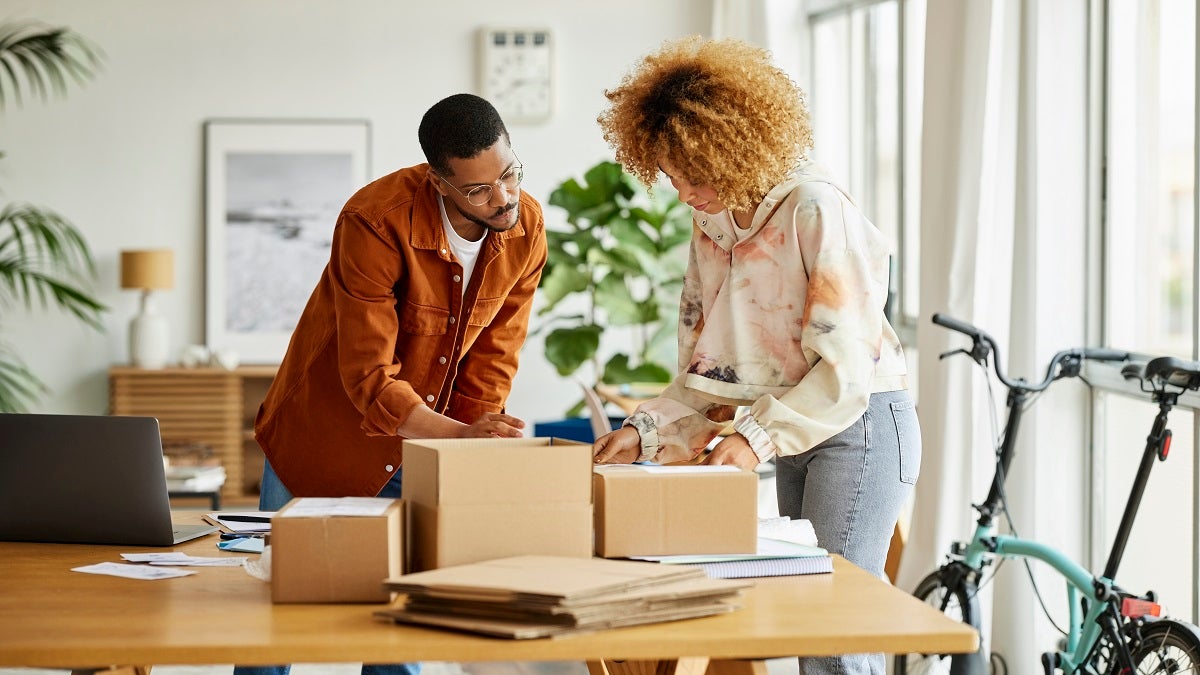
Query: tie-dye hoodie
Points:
[785, 317]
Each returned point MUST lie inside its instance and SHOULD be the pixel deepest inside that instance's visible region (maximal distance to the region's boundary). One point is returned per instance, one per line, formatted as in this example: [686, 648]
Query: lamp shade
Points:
[148, 269]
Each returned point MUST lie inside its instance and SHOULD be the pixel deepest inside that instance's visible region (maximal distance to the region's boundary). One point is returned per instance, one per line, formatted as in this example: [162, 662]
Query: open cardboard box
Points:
[478, 499]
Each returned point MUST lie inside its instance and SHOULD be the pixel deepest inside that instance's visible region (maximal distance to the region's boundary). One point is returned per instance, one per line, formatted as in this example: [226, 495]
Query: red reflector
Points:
[1135, 608]
[1166, 448]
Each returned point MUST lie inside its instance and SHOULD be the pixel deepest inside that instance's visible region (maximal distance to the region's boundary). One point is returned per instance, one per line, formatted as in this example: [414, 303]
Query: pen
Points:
[244, 519]
[242, 535]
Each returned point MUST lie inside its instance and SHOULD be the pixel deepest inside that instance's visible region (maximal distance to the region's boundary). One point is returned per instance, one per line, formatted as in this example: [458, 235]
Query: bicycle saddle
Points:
[1174, 371]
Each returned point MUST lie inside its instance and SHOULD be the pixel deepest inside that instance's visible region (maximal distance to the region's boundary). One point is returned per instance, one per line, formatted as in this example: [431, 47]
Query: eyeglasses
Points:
[482, 194]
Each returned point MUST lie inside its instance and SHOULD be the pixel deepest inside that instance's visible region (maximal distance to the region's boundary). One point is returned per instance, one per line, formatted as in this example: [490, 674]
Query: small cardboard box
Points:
[324, 551]
[478, 499]
[674, 510]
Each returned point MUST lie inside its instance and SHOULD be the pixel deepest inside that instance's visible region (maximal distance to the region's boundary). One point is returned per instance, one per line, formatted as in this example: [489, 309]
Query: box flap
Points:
[497, 471]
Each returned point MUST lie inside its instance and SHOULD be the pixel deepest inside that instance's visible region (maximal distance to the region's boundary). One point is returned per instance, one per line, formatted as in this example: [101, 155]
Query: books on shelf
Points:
[195, 478]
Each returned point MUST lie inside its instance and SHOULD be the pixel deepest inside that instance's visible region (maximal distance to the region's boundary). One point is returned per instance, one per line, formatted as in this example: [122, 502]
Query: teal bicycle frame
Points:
[1083, 632]
[1106, 612]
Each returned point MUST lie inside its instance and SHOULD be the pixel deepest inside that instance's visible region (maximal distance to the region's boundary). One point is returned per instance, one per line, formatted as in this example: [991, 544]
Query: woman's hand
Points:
[734, 449]
[622, 446]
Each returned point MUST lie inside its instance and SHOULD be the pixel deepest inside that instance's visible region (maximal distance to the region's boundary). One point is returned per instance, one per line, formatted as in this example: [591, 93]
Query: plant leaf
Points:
[618, 371]
[18, 386]
[41, 59]
[563, 280]
[44, 260]
[569, 348]
[619, 305]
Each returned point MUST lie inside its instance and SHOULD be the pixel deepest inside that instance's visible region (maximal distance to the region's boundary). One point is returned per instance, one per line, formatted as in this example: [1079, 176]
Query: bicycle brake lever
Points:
[952, 352]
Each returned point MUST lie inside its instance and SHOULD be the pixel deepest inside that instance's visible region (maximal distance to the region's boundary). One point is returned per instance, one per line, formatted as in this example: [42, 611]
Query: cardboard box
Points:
[674, 510]
[319, 553]
[479, 499]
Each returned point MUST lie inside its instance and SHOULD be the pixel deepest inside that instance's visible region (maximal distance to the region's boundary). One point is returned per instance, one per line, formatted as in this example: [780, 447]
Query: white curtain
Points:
[1003, 205]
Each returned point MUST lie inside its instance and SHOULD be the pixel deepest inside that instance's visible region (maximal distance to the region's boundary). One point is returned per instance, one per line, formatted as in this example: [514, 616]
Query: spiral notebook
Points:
[772, 567]
[773, 558]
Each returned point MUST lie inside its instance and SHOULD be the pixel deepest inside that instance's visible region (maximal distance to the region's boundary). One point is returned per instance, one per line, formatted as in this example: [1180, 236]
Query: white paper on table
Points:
[132, 571]
[201, 561]
[244, 526]
[170, 556]
[320, 507]
[783, 528]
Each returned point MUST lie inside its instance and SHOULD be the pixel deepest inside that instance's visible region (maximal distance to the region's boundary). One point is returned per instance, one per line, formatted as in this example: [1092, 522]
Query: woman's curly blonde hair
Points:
[718, 110]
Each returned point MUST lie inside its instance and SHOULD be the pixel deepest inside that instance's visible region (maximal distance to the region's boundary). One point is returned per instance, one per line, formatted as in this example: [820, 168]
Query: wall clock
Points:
[516, 72]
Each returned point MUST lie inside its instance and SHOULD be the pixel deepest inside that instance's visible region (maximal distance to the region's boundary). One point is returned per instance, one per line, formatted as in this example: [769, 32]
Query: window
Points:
[1148, 302]
[866, 92]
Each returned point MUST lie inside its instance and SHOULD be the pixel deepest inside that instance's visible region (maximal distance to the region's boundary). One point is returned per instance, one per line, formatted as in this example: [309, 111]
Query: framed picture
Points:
[273, 191]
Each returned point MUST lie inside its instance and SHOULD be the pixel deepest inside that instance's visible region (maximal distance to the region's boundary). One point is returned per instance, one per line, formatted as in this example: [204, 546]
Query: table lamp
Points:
[148, 271]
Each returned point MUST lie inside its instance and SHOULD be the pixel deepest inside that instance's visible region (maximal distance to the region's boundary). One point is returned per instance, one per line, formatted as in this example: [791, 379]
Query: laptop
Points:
[79, 479]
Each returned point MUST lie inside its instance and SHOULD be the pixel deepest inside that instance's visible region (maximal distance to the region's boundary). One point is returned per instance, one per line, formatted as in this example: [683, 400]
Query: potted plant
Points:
[618, 265]
[44, 260]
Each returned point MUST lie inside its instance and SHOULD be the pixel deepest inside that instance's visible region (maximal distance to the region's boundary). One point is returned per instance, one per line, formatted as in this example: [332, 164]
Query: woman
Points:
[782, 306]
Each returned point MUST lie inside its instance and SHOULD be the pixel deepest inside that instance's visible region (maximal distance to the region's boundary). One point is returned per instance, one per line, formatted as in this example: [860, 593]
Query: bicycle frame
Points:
[1103, 596]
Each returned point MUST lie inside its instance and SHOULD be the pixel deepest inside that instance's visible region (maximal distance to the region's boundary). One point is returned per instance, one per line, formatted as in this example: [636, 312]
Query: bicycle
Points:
[1111, 631]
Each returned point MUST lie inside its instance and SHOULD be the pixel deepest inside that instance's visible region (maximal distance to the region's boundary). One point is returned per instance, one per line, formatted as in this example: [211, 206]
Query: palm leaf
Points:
[18, 386]
[43, 59]
[45, 261]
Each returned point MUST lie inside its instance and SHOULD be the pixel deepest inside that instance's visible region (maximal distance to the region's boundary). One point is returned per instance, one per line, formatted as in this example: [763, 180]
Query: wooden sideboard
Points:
[212, 406]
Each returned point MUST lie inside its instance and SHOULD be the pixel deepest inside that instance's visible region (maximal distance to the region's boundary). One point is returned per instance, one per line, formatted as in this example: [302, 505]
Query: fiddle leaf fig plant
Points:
[619, 264]
[44, 259]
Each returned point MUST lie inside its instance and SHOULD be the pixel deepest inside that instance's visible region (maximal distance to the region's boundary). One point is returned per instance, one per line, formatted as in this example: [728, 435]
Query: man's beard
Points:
[489, 226]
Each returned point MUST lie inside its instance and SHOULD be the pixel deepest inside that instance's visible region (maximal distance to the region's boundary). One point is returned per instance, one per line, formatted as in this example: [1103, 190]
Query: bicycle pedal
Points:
[1136, 608]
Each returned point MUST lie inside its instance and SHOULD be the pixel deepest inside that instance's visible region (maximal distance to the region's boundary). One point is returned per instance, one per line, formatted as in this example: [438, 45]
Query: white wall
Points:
[122, 156]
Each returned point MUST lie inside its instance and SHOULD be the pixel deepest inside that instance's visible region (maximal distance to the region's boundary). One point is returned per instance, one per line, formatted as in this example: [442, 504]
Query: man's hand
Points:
[735, 450]
[493, 425]
[622, 446]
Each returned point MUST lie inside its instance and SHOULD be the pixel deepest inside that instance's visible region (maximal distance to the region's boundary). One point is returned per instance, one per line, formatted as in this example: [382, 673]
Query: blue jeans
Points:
[272, 496]
[852, 488]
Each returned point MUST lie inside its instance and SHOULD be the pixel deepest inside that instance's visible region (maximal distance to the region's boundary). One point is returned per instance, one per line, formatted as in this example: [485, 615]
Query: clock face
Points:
[516, 73]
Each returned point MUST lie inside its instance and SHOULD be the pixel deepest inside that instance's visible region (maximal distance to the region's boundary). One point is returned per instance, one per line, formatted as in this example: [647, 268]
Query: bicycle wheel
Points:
[1164, 647]
[957, 602]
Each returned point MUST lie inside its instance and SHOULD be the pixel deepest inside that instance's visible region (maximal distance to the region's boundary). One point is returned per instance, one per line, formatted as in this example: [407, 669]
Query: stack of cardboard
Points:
[544, 596]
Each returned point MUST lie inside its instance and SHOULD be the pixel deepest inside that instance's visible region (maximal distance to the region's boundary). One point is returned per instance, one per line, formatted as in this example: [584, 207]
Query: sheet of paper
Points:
[222, 519]
[783, 528]
[197, 561]
[169, 556]
[320, 507]
[133, 571]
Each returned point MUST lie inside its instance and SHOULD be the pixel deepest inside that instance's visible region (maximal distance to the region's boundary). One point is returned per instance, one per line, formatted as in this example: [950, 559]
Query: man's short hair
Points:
[460, 127]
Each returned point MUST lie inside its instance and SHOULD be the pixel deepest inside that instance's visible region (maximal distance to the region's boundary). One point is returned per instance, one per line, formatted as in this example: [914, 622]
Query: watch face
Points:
[517, 73]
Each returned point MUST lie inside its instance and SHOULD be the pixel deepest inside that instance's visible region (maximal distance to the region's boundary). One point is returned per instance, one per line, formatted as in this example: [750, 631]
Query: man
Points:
[414, 329]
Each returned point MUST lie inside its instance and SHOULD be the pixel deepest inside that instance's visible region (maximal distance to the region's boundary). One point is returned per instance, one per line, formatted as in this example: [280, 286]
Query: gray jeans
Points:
[852, 488]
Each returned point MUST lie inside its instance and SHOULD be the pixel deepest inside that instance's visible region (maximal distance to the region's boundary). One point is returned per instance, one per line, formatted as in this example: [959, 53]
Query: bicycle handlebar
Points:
[1068, 359]
[962, 327]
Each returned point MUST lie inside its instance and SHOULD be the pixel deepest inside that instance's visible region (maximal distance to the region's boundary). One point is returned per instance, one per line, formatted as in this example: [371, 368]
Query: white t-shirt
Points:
[464, 250]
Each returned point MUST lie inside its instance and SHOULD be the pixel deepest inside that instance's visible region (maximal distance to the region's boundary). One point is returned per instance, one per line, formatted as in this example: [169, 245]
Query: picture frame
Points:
[273, 191]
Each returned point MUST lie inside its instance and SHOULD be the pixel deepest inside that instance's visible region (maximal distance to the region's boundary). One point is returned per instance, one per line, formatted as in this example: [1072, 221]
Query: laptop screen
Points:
[83, 479]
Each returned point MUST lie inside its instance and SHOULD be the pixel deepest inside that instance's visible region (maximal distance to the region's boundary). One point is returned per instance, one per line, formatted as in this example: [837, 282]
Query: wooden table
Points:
[55, 618]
